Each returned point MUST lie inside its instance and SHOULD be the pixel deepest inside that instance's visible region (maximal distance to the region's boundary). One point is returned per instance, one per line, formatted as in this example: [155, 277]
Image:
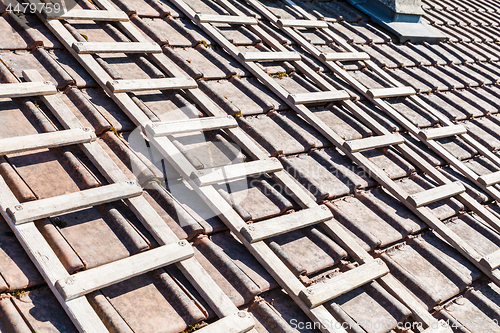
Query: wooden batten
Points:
[320, 293]
[235, 171]
[230, 19]
[302, 24]
[21, 144]
[373, 142]
[286, 223]
[270, 56]
[319, 97]
[119, 47]
[39, 209]
[151, 84]
[87, 14]
[489, 179]
[443, 132]
[27, 89]
[345, 56]
[492, 260]
[436, 194]
[239, 322]
[391, 92]
[191, 125]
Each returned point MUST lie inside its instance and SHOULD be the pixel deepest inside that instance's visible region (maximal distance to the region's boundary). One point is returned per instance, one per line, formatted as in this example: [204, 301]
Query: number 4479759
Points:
[32, 8]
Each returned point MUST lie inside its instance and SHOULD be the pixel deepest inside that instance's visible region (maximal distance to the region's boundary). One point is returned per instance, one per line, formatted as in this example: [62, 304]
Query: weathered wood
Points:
[320, 293]
[42, 255]
[86, 14]
[38, 209]
[489, 179]
[491, 261]
[447, 234]
[85, 282]
[230, 19]
[26, 89]
[373, 142]
[21, 144]
[302, 23]
[153, 222]
[391, 92]
[119, 47]
[239, 322]
[436, 194]
[345, 56]
[191, 125]
[151, 84]
[286, 223]
[443, 132]
[231, 172]
[270, 56]
[191, 268]
[319, 97]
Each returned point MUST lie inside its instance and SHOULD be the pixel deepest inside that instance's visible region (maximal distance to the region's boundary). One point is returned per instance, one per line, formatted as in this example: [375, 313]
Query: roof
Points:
[454, 83]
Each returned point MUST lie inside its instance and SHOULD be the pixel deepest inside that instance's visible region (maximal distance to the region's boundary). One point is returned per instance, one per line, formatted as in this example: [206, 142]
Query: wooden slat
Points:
[436, 194]
[118, 47]
[151, 84]
[26, 89]
[87, 14]
[191, 125]
[20, 144]
[270, 56]
[491, 261]
[286, 223]
[235, 171]
[489, 179]
[320, 293]
[391, 92]
[302, 23]
[345, 56]
[230, 19]
[318, 97]
[443, 132]
[35, 210]
[373, 142]
[238, 322]
[85, 282]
